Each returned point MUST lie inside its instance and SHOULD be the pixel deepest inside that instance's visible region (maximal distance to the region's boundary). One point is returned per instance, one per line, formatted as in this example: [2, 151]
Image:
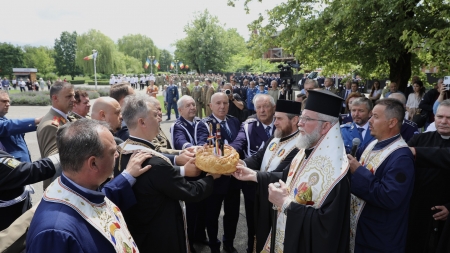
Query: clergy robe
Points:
[383, 222]
[431, 188]
[156, 222]
[308, 229]
[59, 228]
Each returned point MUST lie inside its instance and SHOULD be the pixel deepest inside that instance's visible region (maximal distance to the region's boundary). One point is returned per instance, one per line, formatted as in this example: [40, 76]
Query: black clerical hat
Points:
[325, 102]
[288, 106]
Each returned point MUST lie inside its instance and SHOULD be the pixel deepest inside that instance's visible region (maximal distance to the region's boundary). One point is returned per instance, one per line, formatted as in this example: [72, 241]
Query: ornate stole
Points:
[371, 160]
[106, 217]
[310, 181]
[277, 151]
[129, 146]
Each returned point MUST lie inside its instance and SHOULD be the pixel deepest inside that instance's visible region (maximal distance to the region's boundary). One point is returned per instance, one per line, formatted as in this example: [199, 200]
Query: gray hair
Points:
[271, 100]
[394, 109]
[291, 115]
[58, 86]
[183, 99]
[445, 103]
[363, 101]
[314, 82]
[135, 107]
[399, 96]
[77, 141]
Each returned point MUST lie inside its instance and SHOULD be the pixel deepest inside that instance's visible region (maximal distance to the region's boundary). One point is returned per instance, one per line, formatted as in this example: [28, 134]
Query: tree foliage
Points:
[336, 35]
[65, 52]
[10, 57]
[138, 46]
[40, 58]
[165, 58]
[207, 45]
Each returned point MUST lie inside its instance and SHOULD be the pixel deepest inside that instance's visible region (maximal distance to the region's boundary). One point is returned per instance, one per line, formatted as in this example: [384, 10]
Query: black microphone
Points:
[355, 142]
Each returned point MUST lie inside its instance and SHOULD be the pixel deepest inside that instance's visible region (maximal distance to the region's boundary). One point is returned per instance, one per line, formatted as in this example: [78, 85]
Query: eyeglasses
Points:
[306, 119]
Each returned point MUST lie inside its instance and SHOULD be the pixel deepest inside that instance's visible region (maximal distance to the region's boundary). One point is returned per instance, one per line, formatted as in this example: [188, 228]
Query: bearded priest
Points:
[314, 199]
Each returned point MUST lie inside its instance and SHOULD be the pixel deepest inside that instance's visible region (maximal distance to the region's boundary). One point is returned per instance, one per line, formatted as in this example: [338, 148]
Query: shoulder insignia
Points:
[11, 162]
[411, 123]
[250, 120]
[346, 125]
[196, 119]
[55, 121]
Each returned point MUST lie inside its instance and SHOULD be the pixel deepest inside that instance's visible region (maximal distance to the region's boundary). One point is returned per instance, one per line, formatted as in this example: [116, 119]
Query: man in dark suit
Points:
[184, 129]
[226, 189]
[172, 98]
[156, 222]
[329, 85]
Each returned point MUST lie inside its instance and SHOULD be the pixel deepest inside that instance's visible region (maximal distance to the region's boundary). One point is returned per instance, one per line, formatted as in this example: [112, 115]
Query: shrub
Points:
[31, 98]
[98, 83]
[93, 94]
[104, 92]
[77, 82]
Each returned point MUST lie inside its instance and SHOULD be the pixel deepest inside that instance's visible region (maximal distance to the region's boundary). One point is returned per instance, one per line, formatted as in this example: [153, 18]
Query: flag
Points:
[147, 62]
[90, 57]
[172, 65]
[156, 63]
[181, 65]
[186, 67]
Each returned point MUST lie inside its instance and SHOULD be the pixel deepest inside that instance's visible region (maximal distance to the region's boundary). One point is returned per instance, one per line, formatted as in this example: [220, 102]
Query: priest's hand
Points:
[191, 150]
[278, 195]
[134, 166]
[354, 164]
[190, 170]
[441, 212]
[183, 158]
[243, 173]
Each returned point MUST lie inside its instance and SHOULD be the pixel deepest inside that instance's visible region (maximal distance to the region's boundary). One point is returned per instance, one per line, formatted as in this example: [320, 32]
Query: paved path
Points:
[31, 140]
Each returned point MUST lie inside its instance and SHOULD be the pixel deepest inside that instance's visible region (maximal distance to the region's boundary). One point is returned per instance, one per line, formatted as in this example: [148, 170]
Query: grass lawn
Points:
[161, 100]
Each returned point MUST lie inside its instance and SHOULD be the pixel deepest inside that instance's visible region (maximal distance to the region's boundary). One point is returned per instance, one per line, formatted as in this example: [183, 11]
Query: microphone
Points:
[355, 142]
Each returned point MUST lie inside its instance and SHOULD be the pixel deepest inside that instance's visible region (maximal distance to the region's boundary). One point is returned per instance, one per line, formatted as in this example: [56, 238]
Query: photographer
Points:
[237, 107]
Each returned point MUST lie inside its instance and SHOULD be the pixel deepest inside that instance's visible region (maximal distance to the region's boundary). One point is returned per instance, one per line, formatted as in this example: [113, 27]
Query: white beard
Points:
[306, 141]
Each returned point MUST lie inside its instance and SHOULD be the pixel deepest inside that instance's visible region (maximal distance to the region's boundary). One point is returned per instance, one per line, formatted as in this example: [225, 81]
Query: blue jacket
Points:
[12, 132]
[183, 133]
[251, 93]
[172, 92]
[409, 129]
[251, 137]
[349, 132]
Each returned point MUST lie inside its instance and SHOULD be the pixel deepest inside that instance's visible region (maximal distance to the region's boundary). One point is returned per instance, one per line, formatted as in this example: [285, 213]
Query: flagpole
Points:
[95, 67]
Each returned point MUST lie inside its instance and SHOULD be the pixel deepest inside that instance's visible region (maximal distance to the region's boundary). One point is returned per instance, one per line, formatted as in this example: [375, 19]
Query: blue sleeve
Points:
[202, 134]
[53, 241]
[240, 143]
[120, 192]
[10, 127]
[179, 138]
[435, 106]
[389, 191]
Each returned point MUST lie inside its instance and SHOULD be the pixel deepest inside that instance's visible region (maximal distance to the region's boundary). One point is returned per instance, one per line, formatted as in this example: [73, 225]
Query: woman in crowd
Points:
[412, 104]
[375, 93]
[29, 84]
[152, 90]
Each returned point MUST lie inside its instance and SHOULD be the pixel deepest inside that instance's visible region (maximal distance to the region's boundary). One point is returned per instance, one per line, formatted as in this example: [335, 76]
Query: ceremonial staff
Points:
[274, 223]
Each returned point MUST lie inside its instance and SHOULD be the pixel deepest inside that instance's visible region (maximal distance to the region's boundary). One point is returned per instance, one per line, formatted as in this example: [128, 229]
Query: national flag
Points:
[172, 65]
[156, 63]
[186, 67]
[147, 62]
[181, 65]
[90, 57]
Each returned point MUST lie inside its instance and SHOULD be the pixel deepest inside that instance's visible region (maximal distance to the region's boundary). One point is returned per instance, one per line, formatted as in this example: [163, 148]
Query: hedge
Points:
[99, 83]
[77, 82]
[42, 98]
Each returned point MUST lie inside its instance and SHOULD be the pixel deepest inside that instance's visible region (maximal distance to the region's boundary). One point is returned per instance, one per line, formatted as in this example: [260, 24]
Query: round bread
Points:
[207, 161]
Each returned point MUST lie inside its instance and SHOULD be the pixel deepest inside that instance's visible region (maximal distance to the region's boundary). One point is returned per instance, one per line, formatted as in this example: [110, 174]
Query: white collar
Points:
[445, 137]
[366, 126]
[219, 120]
[60, 112]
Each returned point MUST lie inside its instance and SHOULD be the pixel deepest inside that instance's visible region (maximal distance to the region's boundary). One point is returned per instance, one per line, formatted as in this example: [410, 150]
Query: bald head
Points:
[399, 96]
[108, 109]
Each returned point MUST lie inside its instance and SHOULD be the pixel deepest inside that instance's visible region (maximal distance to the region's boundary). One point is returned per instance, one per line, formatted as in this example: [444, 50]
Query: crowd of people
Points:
[331, 170]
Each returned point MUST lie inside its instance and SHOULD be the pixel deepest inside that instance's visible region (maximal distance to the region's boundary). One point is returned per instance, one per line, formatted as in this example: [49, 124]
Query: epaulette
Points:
[346, 125]
[250, 119]
[55, 121]
[411, 123]
[10, 162]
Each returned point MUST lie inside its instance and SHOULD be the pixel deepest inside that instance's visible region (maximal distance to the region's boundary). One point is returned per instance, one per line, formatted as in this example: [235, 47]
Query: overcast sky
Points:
[41, 22]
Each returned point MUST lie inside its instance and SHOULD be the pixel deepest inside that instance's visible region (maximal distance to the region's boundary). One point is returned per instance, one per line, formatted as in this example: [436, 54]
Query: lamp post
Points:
[176, 66]
[151, 63]
[94, 52]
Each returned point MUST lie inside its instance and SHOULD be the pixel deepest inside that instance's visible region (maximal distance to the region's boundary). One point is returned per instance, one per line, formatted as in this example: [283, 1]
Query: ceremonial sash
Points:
[371, 160]
[310, 181]
[105, 217]
[127, 147]
[277, 151]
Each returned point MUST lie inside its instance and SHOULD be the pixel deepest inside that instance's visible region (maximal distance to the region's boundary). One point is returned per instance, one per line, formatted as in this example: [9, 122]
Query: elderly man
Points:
[382, 184]
[255, 137]
[309, 194]
[62, 99]
[430, 202]
[393, 88]
[273, 91]
[329, 85]
[198, 98]
[184, 129]
[226, 189]
[81, 106]
[74, 216]
[156, 222]
[361, 111]
[12, 131]
[409, 128]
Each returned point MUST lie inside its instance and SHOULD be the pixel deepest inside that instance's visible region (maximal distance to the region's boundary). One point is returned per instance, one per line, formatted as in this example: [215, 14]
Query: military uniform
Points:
[78, 116]
[171, 99]
[184, 133]
[208, 95]
[185, 91]
[197, 95]
[349, 132]
[409, 129]
[162, 144]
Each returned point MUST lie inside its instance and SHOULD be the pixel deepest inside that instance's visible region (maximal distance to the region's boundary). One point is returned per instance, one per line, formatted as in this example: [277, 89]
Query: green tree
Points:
[133, 65]
[40, 58]
[341, 33]
[10, 57]
[65, 51]
[205, 46]
[165, 58]
[138, 46]
[109, 59]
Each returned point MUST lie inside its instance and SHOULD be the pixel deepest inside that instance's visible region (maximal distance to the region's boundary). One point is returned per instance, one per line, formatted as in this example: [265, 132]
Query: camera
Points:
[228, 92]
[447, 82]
